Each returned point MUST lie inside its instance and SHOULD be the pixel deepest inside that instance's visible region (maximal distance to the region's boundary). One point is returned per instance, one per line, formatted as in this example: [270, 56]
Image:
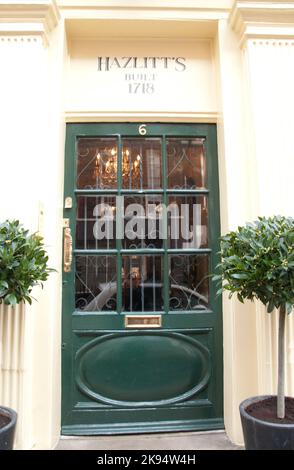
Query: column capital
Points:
[262, 19]
[28, 18]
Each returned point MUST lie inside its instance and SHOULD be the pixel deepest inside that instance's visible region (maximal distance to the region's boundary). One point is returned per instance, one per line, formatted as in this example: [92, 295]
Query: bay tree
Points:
[23, 263]
[258, 263]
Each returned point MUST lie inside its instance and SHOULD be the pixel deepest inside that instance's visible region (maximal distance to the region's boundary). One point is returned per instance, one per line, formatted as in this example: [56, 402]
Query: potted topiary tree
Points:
[23, 264]
[258, 263]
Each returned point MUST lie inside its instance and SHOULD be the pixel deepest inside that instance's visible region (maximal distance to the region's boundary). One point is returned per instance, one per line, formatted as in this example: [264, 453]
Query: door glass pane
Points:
[142, 283]
[95, 284]
[142, 224]
[188, 221]
[142, 221]
[189, 285]
[141, 163]
[95, 226]
[97, 163]
[186, 163]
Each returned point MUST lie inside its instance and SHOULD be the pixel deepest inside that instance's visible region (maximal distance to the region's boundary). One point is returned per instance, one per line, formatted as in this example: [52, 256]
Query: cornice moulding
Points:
[262, 19]
[29, 18]
[170, 116]
[147, 4]
[145, 10]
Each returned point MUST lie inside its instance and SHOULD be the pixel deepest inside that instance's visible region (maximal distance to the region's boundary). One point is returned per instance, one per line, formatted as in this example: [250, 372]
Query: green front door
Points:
[142, 335]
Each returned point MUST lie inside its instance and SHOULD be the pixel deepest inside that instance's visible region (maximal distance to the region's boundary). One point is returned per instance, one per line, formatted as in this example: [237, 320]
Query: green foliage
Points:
[23, 263]
[258, 262]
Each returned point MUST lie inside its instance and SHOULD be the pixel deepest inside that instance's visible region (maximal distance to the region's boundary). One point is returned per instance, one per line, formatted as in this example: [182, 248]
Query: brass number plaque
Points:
[143, 321]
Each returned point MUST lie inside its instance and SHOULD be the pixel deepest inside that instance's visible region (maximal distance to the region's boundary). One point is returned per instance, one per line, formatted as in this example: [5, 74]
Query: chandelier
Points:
[105, 170]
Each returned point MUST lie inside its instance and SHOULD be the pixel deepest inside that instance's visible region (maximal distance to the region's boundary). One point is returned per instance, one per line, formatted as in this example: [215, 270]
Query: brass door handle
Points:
[67, 250]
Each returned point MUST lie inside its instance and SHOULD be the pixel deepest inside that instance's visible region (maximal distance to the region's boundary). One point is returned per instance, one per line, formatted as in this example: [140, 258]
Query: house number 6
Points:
[142, 129]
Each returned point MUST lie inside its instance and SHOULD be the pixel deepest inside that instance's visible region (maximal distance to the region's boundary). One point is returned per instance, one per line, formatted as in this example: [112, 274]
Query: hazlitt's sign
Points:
[146, 63]
[142, 82]
[141, 76]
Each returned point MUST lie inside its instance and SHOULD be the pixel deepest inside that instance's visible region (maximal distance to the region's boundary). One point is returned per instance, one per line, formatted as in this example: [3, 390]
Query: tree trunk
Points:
[281, 364]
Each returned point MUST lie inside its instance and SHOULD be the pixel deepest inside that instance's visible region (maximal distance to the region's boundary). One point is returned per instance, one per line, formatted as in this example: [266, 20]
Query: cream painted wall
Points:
[271, 69]
[271, 72]
[256, 160]
[22, 80]
[31, 154]
[22, 152]
[240, 368]
[47, 333]
[252, 102]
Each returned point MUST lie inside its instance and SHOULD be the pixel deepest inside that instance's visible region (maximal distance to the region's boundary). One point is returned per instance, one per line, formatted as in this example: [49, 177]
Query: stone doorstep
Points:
[209, 440]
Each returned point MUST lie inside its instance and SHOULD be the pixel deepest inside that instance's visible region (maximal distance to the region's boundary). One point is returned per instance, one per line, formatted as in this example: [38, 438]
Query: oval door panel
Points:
[130, 369]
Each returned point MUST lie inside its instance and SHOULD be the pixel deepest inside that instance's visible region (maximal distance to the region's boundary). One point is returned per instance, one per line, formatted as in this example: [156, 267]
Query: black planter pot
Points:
[263, 435]
[7, 431]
